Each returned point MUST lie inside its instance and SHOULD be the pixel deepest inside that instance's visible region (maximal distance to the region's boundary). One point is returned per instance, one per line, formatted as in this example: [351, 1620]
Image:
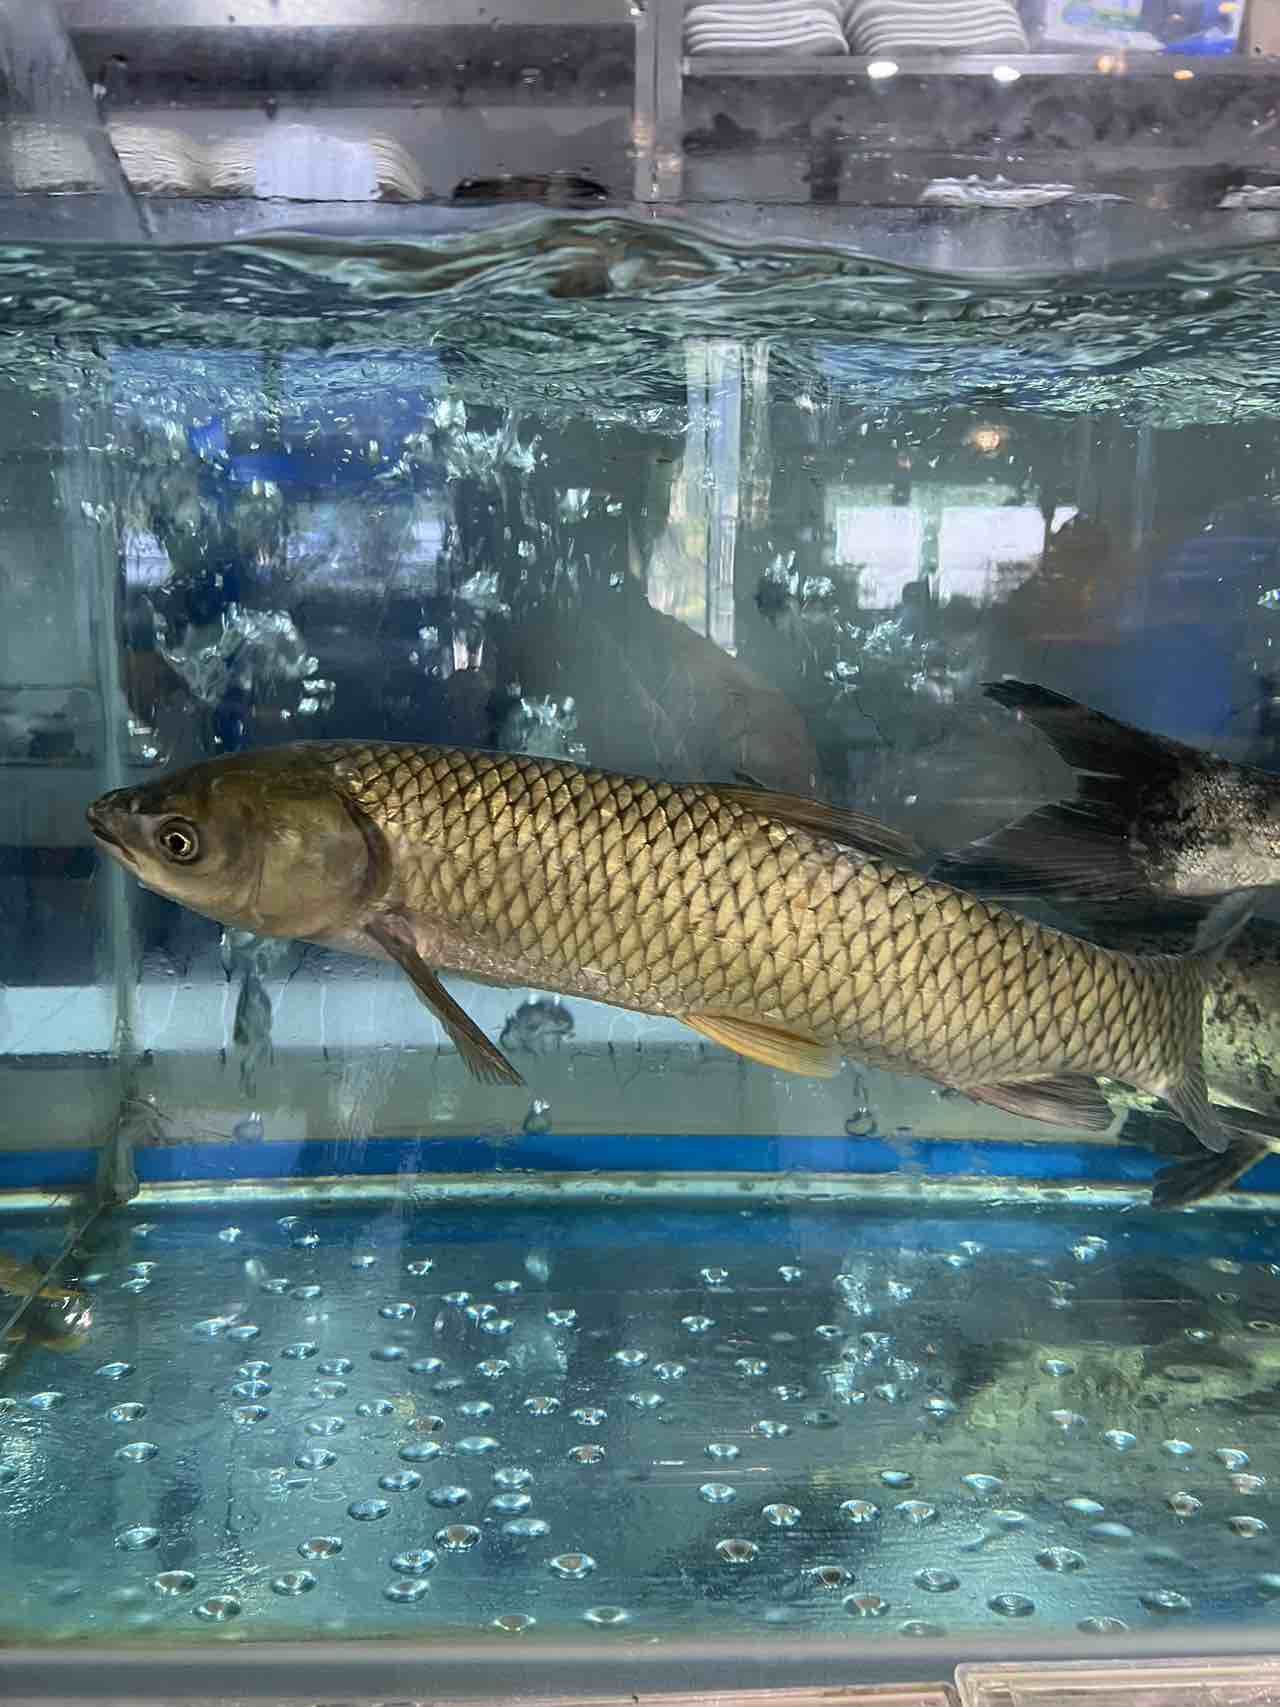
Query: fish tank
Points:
[639, 633]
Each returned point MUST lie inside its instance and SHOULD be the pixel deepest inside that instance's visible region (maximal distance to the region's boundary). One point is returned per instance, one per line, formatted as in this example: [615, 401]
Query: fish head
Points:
[251, 840]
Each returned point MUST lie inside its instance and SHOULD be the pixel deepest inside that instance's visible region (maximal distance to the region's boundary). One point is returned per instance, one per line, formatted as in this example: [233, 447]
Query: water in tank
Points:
[725, 1097]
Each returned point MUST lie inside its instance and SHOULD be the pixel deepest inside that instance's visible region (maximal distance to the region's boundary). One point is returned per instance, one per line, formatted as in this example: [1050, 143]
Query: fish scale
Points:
[684, 902]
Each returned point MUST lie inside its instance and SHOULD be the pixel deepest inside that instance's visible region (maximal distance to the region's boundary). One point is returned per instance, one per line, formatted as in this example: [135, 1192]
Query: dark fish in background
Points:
[787, 930]
[1150, 816]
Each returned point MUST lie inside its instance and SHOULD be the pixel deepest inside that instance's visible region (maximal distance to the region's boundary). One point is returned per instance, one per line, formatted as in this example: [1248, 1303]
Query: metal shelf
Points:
[1103, 62]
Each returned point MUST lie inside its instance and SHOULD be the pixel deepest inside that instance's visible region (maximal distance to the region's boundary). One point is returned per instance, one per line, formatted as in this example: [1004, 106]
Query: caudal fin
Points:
[1079, 848]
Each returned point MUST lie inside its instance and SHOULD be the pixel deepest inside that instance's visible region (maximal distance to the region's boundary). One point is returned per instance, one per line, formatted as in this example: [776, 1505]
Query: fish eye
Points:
[178, 841]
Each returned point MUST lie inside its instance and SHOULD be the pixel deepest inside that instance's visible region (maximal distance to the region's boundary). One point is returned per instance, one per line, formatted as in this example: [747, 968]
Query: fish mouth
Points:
[105, 835]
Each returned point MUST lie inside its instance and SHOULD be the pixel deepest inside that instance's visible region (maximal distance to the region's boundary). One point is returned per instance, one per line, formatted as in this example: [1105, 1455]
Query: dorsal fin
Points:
[832, 823]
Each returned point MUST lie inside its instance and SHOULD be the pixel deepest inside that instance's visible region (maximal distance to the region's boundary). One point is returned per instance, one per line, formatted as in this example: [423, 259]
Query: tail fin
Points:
[1193, 1176]
[1188, 1096]
[1082, 847]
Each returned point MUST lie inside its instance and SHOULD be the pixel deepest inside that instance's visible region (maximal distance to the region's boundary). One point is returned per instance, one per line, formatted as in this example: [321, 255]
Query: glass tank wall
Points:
[793, 401]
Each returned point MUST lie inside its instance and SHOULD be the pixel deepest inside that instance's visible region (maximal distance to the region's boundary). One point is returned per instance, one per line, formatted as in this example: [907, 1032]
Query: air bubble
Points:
[697, 1324]
[527, 1528]
[325, 1426]
[722, 1451]
[768, 1429]
[605, 1617]
[736, 1550]
[750, 1367]
[1232, 1457]
[218, 1608]
[476, 1445]
[247, 1415]
[402, 1312]
[335, 1366]
[420, 1451]
[510, 1505]
[1060, 1559]
[936, 1581]
[541, 1404]
[1178, 1448]
[572, 1566]
[420, 1266]
[137, 1537]
[717, 1493]
[1110, 1533]
[1103, 1626]
[589, 1416]
[562, 1318]
[983, 1486]
[368, 1511]
[114, 1371]
[1165, 1600]
[457, 1537]
[1012, 1605]
[514, 1623]
[448, 1496]
[645, 1401]
[1120, 1440]
[670, 1371]
[426, 1366]
[1081, 1507]
[513, 1476]
[865, 1605]
[386, 1354]
[320, 1547]
[917, 1511]
[1183, 1504]
[138, 1451]
[781, 1516]
[859, 1511]
[400, 1481]
[897, 1478]
[591, 1454]
[132, 1412]
[415, 1562]
[405, 1590]
[290, 1583]
[300, 1349]
[173, 1582]
[1249, 1528]
[316, 1458]
[250, 1389]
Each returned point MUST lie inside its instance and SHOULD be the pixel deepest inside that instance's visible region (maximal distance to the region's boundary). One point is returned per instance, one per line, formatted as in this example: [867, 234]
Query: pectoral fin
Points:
[485, 1060]
[770, 1045]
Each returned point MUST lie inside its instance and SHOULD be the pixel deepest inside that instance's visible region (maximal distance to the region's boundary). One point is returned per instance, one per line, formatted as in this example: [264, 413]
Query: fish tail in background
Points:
[1080, 847]
[1193, 1176]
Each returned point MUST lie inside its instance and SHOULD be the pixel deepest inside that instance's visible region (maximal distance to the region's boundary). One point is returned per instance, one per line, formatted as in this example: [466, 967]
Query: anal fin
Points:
[771, 1045]
[483, 1057]
[1067, 1099]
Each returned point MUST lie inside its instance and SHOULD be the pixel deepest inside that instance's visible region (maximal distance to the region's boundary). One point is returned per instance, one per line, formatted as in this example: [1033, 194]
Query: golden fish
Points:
[783, 928]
